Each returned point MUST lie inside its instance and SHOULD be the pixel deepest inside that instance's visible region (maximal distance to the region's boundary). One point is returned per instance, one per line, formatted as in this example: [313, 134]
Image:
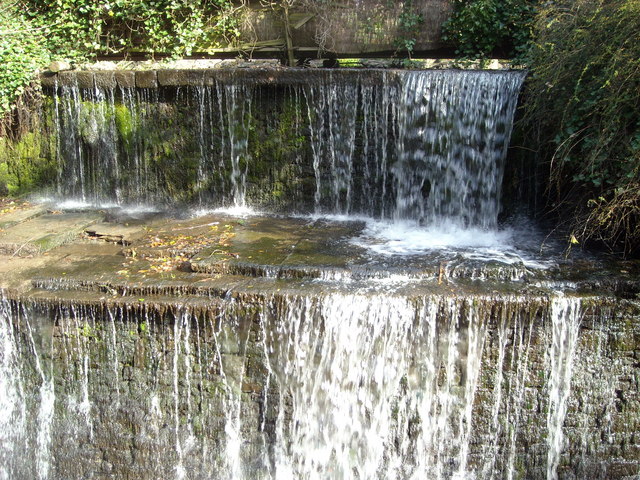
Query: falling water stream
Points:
[422, 146]
[280, 378]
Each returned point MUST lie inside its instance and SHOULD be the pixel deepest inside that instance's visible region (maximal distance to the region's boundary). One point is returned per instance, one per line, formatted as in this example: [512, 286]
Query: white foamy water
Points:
[235, 211]
[511, 246]
[12, 408]
[79, 204]
[406, 238]
[566, 316]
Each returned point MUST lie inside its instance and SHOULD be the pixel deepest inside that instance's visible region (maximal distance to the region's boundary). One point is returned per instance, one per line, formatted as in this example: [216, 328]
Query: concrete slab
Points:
[147, 79]
[84, 79]
[126, 78]
[168, 78]
[105, 79]
[284, 248]
[206, 256]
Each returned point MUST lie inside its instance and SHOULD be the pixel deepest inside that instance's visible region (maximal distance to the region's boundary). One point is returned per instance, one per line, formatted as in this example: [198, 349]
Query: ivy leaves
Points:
[409, 22]
[21, 53]
[174, 27]
[34, 31]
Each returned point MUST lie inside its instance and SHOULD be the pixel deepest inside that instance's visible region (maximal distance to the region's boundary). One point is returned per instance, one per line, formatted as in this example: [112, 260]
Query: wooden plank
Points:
[299, 19]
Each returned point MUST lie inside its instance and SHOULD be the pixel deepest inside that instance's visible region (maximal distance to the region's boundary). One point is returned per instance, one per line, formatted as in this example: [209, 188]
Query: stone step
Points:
[38, 234]
[203, 256]
[20, 214]
[115, 232]
[284, 248]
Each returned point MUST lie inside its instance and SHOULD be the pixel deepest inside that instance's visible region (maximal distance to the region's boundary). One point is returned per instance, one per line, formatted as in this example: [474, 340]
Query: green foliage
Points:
[33, 32]
[22, 51]
[176, 27]
[409, 22]
[582, 109]
[480, 28]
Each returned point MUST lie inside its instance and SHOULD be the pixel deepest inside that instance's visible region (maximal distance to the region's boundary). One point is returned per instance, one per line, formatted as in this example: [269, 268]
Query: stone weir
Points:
[141, 346]
[412, 144]
[88, 79]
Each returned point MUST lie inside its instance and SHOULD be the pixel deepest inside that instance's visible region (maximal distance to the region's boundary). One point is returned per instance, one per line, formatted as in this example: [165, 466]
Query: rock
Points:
[65, 79]
[21, 215]
[147, 79]
[48, 79]
[114, 233]
[85, 79]
[40, 233]
[126, 78]
[59, 66]
[180, 77]
[103, 65]
[105, 79]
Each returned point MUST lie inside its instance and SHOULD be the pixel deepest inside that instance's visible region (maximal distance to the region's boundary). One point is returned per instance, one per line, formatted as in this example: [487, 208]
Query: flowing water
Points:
[422, 146]
[341, 377]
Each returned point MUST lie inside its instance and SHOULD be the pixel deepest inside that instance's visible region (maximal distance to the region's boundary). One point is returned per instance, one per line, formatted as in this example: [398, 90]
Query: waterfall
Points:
[27, 398]
[12, 408]
[425, 146]
[330, 386]
[565, 324]
[235, 110]
[311, 353]
[454, 131]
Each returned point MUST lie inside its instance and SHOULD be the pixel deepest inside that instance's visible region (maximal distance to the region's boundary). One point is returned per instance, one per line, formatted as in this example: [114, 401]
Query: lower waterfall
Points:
[288, 386]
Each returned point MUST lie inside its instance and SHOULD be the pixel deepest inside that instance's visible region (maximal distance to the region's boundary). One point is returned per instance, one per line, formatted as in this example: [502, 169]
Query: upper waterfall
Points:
[425, 146]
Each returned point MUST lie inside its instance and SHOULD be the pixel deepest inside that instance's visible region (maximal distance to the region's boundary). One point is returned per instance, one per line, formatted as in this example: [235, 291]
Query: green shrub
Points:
[174, 27]
[481, 28]
[22, 52]
[582, 115]
[34, 31]
[409, 24]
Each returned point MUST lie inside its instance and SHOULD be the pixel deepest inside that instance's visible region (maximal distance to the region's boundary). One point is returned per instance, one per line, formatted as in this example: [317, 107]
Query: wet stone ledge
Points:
[262, 75]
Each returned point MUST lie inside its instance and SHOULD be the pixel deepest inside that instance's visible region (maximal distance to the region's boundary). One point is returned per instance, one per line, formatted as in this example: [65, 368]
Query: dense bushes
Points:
[480, 28]
[167, 26]
[582, 115]
[32, 31]
[22, 51]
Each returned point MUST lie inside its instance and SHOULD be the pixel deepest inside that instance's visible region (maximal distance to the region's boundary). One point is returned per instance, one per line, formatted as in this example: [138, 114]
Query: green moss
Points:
[5, 179]
[86, 331]
[124, 122]
[350, 62]
[275, 150]
[277, 191]
[23, 165]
